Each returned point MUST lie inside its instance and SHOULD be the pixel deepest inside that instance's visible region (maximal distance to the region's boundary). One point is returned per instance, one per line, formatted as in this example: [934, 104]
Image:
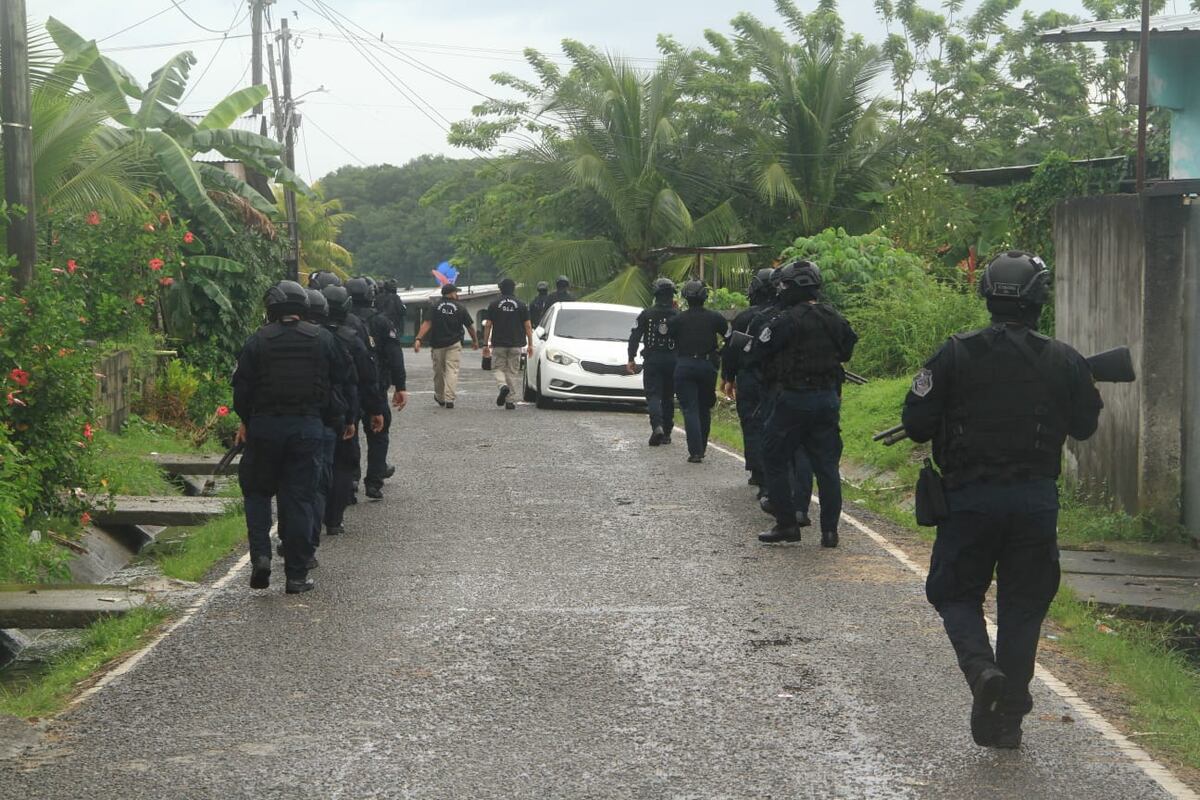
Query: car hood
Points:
[592, 349]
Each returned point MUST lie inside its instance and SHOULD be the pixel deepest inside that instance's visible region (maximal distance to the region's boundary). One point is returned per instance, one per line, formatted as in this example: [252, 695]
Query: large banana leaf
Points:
[225, 112]
[216, 264]
[179, 170]
[286, 177]
[215, 176]
[167, 86]
[213, 292]
[104, 78]
[231, 142]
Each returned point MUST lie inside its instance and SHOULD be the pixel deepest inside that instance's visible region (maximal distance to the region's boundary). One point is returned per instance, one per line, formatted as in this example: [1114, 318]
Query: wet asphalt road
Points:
[544, 607]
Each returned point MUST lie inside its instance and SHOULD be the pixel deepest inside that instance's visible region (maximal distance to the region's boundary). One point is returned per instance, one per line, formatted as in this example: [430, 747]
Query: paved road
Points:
[545, 607]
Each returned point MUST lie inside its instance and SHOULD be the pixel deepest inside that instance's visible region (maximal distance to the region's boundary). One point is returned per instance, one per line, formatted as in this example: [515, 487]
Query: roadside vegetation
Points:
[189, 553]
[102, 643]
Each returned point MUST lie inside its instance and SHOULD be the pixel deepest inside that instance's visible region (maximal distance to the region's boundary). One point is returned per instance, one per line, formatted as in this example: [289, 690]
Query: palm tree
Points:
[817, 146]
[614, 135]
[320, 222]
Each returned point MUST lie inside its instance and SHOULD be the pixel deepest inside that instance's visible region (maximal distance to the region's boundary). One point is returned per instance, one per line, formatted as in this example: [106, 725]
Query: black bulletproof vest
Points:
[656, 339]
[292, 370]
[811, 359]
[1006, 416]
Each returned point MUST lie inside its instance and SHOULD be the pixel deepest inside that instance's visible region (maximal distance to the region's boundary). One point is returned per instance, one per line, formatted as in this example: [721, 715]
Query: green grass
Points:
[188, 554]
[1161, 683]
[102, 642]
[122, 458]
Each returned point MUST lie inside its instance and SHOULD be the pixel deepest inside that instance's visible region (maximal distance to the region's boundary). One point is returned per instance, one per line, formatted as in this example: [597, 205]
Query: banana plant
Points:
[149, 120]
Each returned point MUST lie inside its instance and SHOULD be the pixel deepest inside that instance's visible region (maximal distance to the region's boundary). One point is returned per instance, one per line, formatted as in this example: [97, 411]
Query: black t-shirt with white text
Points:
[508, 316]
[449, 319]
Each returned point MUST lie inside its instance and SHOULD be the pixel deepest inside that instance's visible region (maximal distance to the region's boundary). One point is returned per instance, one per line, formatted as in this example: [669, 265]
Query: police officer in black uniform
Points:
[384, 340]
[540, 304]
[699, 333]
[368, 404]
[391, 306]
[561, 295]
[740, 379]
[805, 347]
[285, 386]
[318, 314]
[998, 404]
[651, 331]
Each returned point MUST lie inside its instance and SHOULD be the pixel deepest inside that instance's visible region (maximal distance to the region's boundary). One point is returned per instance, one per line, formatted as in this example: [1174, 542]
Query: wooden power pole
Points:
[1143, 95]
[289, 152]
[256, 47]
[17, 138]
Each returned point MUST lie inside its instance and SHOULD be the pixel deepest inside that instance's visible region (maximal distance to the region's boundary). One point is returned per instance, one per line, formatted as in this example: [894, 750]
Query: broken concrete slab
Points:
[165, 511]
[66, 606]
[191, 464]
[1140, 597]
[1129, 564]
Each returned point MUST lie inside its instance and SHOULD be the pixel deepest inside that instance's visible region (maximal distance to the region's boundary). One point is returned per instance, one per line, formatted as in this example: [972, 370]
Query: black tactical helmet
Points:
[1016, 276]
[562, 282]
[339, 301]
[287, 297]
[319, 280]
[801, 274]
[390, 285]
[663, 286]
[318, 306]
[543, 287]
[360, 291]
[449, 289]
[694, 292]
[761, 282]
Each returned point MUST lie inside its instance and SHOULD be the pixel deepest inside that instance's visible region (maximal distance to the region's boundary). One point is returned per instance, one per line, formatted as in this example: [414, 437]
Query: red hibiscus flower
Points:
[165, 281]
[222, 411]
[85, 518]
[93, 218]
[156, 264]
[19, 376]
[139, 300]
[87, 431]
[189, 237]
[71, 266]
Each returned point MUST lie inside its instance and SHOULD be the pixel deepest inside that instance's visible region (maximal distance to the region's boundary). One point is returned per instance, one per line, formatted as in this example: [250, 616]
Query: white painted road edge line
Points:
[1083, 710]
[130, 663]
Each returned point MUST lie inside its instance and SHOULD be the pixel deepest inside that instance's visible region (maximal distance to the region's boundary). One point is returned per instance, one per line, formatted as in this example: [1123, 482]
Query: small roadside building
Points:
[476, 298]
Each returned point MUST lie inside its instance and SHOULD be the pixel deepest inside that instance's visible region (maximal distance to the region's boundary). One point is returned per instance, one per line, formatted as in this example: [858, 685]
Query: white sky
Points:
[364, 118]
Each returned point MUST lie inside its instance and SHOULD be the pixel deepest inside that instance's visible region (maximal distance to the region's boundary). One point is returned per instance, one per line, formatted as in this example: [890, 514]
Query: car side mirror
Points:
[542, 333]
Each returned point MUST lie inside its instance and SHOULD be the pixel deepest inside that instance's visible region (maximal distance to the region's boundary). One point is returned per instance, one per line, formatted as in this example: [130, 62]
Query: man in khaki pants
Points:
[506, 335]
[444, 331]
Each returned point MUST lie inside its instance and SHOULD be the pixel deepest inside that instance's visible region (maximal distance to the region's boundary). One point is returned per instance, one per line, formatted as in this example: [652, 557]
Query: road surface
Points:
[544, 607]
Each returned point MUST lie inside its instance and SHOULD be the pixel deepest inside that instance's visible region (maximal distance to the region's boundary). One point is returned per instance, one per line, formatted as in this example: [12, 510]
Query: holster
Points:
[931, 506]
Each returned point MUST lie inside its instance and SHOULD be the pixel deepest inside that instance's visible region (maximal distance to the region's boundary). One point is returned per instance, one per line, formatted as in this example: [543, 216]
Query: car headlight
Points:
[559, 357]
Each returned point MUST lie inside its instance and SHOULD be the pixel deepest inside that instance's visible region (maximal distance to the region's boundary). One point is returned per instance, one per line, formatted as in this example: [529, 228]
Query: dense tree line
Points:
[764, 134]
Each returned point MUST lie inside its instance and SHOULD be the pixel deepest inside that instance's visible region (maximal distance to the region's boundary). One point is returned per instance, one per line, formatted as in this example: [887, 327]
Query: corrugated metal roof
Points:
[1174, 26]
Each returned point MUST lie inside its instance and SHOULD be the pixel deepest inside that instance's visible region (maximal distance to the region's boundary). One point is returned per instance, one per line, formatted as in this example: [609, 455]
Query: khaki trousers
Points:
[506, 367]
[446, 361]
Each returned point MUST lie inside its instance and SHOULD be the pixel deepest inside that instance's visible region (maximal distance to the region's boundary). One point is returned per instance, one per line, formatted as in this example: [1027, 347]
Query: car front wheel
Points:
[542, 400]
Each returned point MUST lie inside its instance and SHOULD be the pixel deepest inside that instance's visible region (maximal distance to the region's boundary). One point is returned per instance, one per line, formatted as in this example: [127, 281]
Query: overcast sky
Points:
[363, 116]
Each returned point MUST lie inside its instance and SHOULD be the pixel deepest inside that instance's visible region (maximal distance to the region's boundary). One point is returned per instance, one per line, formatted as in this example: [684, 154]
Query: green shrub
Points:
[726, 299]
[851, 264]
[904, 322]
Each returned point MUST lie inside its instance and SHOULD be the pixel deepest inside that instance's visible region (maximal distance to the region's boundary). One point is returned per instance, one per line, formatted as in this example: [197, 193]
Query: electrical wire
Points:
[308, 119]
[233, 23]
[141, 23]
[191, 19]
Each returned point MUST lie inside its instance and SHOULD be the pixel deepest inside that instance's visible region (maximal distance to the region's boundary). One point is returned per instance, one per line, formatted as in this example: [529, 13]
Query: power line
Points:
[326, 134]
[141, 23]
[233, 23]
[191, 19]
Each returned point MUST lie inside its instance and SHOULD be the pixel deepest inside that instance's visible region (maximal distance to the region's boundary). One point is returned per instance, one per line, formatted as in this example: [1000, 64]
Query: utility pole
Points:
[256, 47]
[17, 138]
[289, 152]
[1143, 95]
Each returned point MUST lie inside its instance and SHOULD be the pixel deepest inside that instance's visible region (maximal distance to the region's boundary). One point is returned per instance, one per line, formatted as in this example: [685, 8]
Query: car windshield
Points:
[608, 325]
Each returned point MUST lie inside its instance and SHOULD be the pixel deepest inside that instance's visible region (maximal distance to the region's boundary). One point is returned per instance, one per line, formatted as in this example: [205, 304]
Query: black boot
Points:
[299, 585]
[780, 533]
[802, 520]
[389, 472]
[764, 503]
[755, 478]
[829, 538]
[1008, 731]
[335, 530]
[986, 690]
[375, 492]
[312, 563]
[503, 396]
[260, 573]
[656, 438]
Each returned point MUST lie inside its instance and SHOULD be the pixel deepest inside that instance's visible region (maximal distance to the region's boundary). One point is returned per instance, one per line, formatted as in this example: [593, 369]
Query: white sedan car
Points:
[580, 353]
